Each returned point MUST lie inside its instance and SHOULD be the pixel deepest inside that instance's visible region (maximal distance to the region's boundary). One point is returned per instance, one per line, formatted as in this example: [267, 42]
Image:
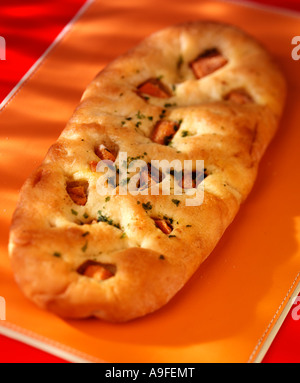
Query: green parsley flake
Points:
[176, 202]
[140, 115]
[168, 105]
[83, 249]
[109, 221]
[147, 206]
[179, 62]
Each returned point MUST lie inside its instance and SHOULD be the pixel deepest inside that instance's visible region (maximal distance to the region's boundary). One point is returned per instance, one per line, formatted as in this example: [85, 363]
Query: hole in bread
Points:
[163, 225]
[96, 270]
[239, 96]
[207, 63]
[164, 131]
[155, 88]
[89, 221]
[78, 191]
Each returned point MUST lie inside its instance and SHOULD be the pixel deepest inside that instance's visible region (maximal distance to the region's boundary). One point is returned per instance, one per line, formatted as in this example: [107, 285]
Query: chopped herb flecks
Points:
[176, 202]
[57, 255]
[147, 206]
[140, 115]
[179, 62]
[83, 249]
[109, 221]
[74, 212]
[168, 105]
[163, 113]
[166, 218]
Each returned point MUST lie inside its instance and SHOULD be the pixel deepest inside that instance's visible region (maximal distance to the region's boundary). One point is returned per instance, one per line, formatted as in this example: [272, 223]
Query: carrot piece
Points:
[154, 88]
[239, 96]
[188, 182]
[78, 194]
[164, 226]
[147, 175]
[97, 272]
[93, 166]
[164, 131]
[104, 154]
[145, 179]
[207, 63]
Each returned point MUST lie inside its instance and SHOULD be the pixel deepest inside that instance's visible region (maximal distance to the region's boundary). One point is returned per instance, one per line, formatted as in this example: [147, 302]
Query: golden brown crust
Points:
[226, 118]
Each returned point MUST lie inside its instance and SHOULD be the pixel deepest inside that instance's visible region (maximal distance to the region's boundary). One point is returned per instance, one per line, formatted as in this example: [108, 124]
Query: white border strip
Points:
[49, 349]
[271, 336]
[264, 7]
[34, 67]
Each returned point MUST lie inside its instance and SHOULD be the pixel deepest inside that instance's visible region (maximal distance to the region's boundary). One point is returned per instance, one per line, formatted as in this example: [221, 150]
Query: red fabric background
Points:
[29, 27]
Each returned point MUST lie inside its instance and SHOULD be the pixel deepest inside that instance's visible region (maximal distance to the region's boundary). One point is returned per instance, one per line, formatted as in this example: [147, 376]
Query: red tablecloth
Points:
[29, 28]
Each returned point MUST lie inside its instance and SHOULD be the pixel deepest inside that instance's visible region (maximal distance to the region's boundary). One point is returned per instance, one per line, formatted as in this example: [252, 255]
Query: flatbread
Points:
[196, 91]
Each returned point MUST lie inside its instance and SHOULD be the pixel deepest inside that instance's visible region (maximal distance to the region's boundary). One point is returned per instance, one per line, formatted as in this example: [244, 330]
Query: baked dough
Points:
[196, 91]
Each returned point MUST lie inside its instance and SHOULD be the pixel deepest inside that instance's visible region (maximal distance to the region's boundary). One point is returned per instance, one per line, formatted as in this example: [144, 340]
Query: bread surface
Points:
[80, 254]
